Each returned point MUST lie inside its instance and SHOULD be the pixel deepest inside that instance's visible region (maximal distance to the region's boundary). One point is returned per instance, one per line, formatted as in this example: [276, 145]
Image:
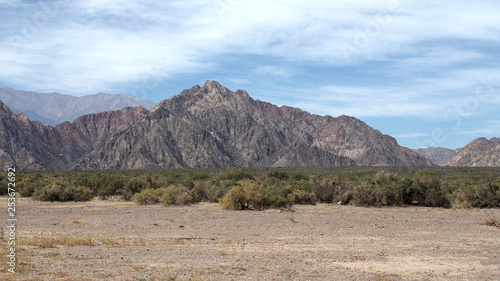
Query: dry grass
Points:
[221, 253]
[53, 240]
[492, 222]
[175, 241]
[79, 222]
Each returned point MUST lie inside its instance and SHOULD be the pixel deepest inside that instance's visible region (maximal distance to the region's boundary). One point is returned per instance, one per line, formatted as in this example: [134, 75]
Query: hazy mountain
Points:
[207, 126]
[480, 152]
[55, 108]
[436, 154]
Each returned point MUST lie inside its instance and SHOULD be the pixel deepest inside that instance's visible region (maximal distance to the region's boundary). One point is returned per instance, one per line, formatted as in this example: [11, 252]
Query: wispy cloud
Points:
[423, 56]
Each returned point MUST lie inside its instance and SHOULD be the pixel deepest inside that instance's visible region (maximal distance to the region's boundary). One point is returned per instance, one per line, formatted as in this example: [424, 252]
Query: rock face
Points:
[211, 126]
[481, 152]
[30, 145]
[436, 154]
[207, 126]
[55, 108]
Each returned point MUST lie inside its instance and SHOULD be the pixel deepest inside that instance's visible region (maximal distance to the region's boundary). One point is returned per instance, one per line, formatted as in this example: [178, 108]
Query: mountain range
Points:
[437, 154]
[55, 108]
[205, 126]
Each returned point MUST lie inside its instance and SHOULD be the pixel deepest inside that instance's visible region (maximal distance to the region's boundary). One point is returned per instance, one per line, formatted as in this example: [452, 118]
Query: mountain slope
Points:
[207, 126]
[32, 146]
[481, 152]
[211, 126]
[55, 108]
[21, 143]
[436, 154]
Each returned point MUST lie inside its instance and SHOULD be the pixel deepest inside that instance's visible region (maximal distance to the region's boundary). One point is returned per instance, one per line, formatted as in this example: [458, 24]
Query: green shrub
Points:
[486, 196]
[325, 190]
[80, 193]
[248, 195]
[426, 179]
[132, 187]
[299, 177]
[52, 193]
[234, 199]
[301, 197]
[201, 191]
[277, 174]
[436, 198]
[148, 196]
[172, 195]
[176, 195]
[219, 188]
[236, 176]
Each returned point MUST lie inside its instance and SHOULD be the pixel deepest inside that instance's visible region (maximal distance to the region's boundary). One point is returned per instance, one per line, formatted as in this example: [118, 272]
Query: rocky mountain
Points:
[207, 126]
[210, 126]
[55, 108]
[436, 154]
[31, 145]
[481, 152]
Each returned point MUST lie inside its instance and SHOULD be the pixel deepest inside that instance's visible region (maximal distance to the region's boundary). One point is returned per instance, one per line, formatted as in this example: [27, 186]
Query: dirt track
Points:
[204, 242]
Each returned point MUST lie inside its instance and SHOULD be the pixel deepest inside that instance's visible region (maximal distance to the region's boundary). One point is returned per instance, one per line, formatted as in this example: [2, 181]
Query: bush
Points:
[200, 191]
[367, 194]
[58, 192]
[299, 177]
[325, 190]
[234, 199]
[301, 197]
[80, 193]
[236, 176]
[148, 196]
[176, 195]
[248, 195]
[52, 193]
[486, 196]
[436, 198]
[172, 195]
[278, 175]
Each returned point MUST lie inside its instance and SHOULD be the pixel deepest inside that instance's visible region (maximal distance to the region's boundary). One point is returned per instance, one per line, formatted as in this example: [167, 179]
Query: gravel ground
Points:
[204, 242]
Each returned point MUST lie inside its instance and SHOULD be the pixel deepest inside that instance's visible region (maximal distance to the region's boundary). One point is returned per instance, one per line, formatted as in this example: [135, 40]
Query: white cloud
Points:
[89, 46]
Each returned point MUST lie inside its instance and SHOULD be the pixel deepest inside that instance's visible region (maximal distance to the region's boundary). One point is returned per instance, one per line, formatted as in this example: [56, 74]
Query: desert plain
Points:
[116, 240]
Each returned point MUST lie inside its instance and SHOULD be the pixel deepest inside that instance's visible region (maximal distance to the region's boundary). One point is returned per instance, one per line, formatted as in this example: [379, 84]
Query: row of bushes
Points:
[258, 189]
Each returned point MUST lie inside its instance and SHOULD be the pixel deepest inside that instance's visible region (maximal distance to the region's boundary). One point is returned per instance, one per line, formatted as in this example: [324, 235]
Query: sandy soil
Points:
[204, 242]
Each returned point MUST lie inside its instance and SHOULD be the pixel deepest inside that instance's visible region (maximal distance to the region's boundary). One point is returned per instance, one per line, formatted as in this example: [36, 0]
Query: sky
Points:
[424, 72]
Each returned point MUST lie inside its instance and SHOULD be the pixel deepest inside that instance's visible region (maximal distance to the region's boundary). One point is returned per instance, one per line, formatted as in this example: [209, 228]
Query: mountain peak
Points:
[213, 87]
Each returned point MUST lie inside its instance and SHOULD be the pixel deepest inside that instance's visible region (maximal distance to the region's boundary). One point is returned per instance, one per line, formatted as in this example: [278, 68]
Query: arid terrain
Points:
[114, 240]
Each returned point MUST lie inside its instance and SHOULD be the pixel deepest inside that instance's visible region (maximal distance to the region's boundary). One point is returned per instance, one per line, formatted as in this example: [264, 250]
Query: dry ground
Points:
[115, 240]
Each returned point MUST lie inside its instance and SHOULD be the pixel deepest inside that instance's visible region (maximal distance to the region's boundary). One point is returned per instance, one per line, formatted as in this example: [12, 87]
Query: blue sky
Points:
[425, 72]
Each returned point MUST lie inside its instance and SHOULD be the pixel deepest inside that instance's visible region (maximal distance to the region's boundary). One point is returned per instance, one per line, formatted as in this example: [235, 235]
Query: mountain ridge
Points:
[206, 126]
[55, 108]
[436, 154]
[481, 152]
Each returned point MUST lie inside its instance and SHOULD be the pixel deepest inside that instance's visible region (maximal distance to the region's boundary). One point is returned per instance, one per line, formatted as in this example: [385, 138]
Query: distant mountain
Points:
[207, 126]
[481, 152]
[436, 154]
[54, 108]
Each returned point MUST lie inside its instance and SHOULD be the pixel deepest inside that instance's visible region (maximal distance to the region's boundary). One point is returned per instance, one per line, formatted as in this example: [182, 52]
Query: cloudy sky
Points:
[425, 72]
